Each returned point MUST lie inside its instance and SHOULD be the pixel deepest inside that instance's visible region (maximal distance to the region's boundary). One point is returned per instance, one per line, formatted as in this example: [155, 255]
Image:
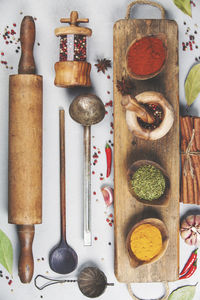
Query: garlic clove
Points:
[185, 225]
[107, 193]
[191, 220]
[197, 221]
[185, 234]
[191, 240]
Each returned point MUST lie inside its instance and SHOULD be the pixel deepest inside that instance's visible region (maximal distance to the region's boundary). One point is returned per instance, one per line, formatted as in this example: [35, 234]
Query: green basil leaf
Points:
[184, 5]
[6, 252]
[183, 293]
[192, 84]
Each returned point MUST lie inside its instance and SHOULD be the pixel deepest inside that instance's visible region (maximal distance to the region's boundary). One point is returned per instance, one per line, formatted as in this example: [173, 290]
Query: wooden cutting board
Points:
[129, 149]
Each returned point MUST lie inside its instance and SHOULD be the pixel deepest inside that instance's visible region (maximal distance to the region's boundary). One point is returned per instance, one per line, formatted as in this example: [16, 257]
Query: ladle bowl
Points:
[87, 109]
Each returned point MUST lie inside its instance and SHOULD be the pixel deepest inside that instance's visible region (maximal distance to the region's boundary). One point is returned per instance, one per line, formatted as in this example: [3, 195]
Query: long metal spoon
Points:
[87, 109]
[63, 259]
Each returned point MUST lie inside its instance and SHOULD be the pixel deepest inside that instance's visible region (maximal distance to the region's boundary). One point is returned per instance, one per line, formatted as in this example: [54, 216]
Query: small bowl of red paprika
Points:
[146, 56]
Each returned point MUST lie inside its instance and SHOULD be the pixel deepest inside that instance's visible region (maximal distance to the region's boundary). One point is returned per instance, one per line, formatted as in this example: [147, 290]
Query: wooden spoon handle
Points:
[26, 264]
[27, 39]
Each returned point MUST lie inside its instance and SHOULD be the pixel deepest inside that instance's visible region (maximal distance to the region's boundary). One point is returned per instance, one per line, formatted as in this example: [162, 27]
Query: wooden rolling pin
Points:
[25, 149]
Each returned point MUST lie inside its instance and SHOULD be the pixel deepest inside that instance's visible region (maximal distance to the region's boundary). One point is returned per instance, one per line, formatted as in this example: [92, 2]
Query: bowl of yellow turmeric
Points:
[147, 242]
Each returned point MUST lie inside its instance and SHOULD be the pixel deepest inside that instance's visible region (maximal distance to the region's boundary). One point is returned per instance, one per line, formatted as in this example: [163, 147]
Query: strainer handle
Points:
[110, 284]
[49, 282]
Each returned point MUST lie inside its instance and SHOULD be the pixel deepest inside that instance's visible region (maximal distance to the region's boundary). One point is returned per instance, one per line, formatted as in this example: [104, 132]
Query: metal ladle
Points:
[87, 109]
[63, 259]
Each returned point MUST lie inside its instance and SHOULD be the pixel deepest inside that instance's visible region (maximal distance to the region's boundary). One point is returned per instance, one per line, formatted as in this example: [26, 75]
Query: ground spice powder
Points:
[146, 56]
[146, 242]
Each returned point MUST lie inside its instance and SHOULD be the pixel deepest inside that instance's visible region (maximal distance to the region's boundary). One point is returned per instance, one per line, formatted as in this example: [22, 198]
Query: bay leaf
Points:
[6, 252]
[183, 293]
[184, 5]
[192, 84]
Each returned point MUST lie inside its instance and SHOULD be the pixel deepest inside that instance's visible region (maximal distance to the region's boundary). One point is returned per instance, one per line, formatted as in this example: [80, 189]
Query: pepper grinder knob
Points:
[73, 20]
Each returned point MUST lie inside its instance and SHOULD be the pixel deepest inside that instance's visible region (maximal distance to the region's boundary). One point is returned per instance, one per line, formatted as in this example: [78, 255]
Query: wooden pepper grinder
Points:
[73, 69]
[25, 149]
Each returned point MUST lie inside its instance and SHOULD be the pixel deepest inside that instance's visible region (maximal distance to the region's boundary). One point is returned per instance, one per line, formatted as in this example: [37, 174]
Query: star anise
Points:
[125, 86]
[103, 64]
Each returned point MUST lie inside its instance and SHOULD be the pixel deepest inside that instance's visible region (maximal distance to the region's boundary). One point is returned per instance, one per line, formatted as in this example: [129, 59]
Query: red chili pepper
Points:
[190, 262]
[109, 159]
[190, 271]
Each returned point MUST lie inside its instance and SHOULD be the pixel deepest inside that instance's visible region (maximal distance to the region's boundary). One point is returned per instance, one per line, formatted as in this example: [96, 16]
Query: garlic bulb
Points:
[190, 229]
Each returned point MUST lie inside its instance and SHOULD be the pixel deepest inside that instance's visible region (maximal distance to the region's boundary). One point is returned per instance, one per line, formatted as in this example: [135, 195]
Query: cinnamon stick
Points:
[190, 186]
[197, 132]
[184, 194]
[186, 136]
[195, 185]
[196, 158]
[196, 166]
[190, 180]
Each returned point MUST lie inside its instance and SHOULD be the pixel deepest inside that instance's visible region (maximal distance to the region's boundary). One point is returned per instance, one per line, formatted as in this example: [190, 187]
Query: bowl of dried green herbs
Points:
[149, 183]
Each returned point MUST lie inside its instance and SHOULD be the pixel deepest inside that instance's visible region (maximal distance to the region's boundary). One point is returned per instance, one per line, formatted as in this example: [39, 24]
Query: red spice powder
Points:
[146, 56]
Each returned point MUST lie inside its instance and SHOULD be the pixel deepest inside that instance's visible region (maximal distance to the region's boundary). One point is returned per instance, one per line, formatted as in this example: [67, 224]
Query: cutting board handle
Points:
[145, 2]
[165, 297]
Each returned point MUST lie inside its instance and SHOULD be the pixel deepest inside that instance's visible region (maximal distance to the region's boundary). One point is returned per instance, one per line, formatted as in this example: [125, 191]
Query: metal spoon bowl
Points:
[87, 109]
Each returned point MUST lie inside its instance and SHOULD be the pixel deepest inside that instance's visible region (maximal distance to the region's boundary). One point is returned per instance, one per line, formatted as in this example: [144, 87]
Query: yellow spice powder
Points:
[146, 242]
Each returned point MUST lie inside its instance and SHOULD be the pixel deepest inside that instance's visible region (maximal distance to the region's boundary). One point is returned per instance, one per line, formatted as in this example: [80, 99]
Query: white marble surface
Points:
[102, 15]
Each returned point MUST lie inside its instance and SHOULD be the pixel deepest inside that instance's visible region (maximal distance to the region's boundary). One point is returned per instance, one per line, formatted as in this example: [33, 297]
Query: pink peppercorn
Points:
[10, 282]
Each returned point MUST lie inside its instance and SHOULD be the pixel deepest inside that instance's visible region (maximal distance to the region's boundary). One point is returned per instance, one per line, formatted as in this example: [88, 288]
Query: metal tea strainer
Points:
[92, 282]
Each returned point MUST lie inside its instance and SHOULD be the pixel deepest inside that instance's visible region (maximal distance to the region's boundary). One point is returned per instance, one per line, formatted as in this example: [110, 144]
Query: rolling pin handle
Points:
[26, 264]
[27, 39]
